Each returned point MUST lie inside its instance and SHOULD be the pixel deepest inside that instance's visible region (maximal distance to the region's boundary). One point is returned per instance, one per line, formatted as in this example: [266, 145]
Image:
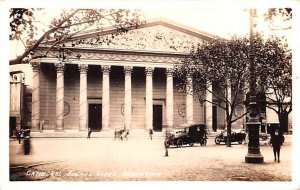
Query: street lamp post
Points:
[253, 124]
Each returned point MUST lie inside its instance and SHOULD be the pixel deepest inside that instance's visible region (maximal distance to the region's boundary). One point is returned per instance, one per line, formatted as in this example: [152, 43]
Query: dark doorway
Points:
[157, 117]
[95, 117]
[215, 118]
[12, 125]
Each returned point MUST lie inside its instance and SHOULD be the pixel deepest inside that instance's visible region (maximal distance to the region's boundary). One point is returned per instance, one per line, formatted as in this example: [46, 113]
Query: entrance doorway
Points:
[12, 125]
[215, 118]
[95, 117]
[157, 117]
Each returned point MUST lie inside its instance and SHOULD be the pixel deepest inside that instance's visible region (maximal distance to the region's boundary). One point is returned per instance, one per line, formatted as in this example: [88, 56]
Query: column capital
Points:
[128, 70]
[60, 67]
[169, 72]
[149, 71]
[36, 66]
[105, 69]
[83, 68]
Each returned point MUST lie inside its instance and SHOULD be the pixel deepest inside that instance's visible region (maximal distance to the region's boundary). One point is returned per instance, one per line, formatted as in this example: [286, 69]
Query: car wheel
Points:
[264, 138]
[179, 143]
[191, 144]
[217, 140]
[240, 142]
[204, 141]
[167, 143]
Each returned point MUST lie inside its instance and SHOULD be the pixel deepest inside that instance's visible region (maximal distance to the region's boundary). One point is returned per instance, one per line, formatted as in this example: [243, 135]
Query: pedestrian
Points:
[116, 134]
[276, 142]
[150, 133]
[26, 145]
[89, 133]
[124, 134]
[18, 133]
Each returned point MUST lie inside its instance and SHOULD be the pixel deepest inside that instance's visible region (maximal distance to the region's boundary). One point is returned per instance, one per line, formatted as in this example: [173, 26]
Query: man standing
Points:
[276, 141]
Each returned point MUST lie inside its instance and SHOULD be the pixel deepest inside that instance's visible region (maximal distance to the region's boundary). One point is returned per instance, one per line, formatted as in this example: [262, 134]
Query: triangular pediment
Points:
[154, 36]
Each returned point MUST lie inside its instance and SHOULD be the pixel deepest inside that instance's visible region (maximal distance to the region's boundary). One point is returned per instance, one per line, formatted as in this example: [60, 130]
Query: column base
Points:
[106, 129]
[36, 130]
[82, 130]
[254, 158]
[59, 130]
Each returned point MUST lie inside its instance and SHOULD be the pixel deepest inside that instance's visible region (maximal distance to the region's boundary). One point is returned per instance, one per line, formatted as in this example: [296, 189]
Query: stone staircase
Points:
[135, 133]
[108, 133]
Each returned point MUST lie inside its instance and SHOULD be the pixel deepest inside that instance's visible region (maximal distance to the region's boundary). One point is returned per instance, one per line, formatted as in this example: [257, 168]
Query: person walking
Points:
[124, 135]
[19, 136]
[150, 133]
[89, 133]
[276, 142]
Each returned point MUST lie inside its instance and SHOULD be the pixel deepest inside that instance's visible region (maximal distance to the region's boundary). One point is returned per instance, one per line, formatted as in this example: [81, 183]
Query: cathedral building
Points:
[126, 83]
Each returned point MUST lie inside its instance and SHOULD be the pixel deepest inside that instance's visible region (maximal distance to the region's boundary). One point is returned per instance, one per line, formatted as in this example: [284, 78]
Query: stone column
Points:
[208, 107]
[127, 98]
[189, 99]
[149, 97]
[35, 115]
[169, 97]
[60, 67]
[83, 68]
[105, 96]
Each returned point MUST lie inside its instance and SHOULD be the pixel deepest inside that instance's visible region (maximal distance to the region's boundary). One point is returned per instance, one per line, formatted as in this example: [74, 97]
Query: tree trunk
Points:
[283, 121]
[228, 142]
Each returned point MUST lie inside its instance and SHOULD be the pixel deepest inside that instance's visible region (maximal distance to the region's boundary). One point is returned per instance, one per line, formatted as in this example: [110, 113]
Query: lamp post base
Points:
[253, 155]
[254, 158]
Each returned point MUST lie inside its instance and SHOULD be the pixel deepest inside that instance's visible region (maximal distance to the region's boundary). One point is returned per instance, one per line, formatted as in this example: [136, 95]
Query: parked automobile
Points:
[187, 134]
[235, 137]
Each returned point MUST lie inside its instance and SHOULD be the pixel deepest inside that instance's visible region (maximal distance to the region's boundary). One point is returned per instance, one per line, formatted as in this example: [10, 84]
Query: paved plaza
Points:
[140, 159]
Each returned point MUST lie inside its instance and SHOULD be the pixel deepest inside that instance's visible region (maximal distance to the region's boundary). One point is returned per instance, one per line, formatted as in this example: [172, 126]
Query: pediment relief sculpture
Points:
[156, 39]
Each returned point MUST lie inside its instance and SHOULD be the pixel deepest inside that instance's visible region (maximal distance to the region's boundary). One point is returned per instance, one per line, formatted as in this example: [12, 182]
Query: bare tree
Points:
[24, 27]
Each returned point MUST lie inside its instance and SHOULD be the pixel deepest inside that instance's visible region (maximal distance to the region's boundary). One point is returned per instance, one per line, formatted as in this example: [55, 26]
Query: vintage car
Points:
[238, 136]
[187, 134]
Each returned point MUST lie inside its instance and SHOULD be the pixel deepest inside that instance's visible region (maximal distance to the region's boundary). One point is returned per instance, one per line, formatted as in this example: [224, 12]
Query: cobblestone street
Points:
[105, 159]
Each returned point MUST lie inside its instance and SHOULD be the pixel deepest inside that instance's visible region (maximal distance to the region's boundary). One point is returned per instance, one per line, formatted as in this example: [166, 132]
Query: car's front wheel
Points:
[217, 140]
[179, 143]
[167, 143]
[203, 142]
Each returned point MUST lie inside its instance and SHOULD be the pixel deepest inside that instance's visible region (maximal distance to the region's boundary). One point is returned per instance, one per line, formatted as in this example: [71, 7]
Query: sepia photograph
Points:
[188, 94]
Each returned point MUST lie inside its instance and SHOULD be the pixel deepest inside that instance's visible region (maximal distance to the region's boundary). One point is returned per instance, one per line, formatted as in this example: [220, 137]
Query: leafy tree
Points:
[275, 77]
[223, 64]
[25, 28]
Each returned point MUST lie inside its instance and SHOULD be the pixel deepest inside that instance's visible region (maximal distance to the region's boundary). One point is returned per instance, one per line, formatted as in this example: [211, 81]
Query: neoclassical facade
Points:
[127, 83]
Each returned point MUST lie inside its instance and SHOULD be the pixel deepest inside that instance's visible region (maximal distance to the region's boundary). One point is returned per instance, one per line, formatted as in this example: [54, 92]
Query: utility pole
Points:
[253, 124]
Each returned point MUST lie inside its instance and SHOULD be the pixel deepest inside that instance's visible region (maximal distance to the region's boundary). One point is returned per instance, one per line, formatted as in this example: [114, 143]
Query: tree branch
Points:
[20, 58]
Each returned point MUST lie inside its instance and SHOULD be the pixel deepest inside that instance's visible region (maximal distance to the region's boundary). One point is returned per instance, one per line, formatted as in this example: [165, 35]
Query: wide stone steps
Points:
[135, 133]
[100, 134]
